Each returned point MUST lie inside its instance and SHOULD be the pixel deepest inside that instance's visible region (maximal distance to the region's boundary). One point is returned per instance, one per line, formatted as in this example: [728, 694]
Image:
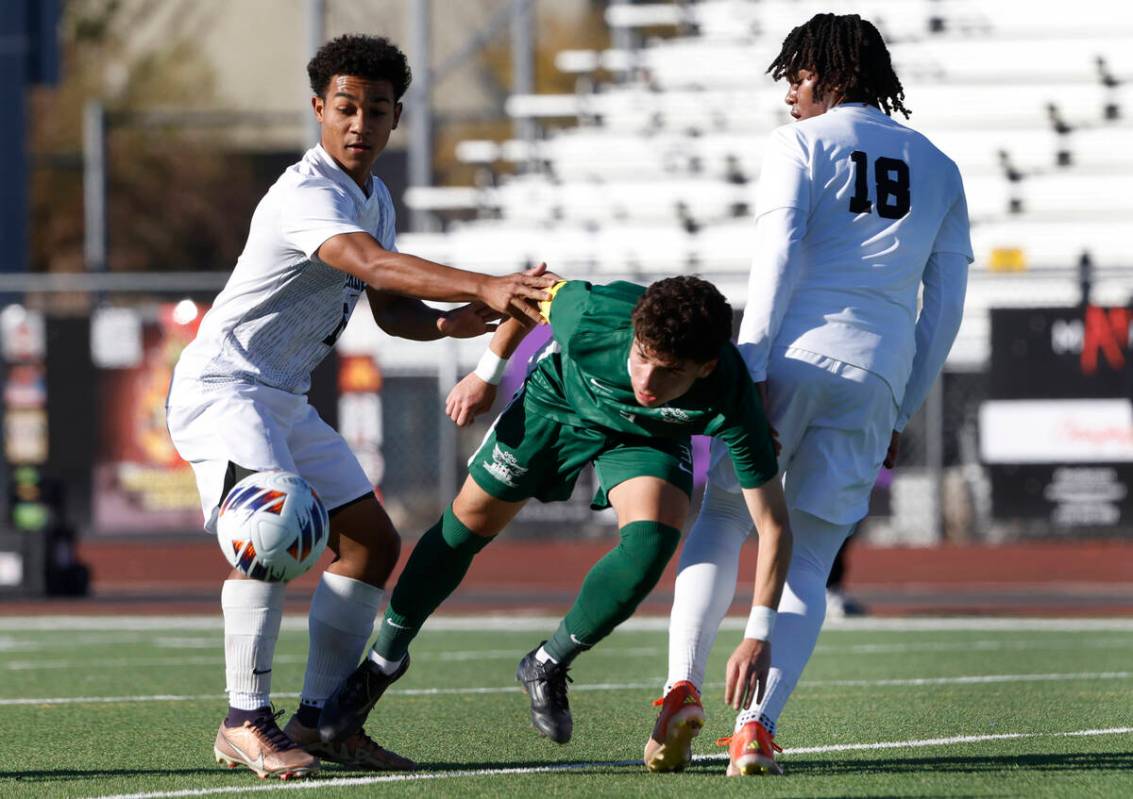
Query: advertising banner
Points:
[1057, 430]
[141, 485]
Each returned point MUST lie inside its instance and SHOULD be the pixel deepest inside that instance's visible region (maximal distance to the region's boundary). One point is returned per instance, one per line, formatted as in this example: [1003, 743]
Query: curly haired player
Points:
[321, 236]
[630, 375]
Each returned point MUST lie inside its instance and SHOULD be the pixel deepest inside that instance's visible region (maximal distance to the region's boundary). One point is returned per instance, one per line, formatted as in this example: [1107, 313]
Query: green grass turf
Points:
[104, 748]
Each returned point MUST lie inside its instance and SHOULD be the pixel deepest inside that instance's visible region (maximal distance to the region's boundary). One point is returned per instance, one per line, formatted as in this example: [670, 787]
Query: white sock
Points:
[801, 612]
[753, 714]
[706, 583]
[542, 656]
[387, 666]
[252, 613]
[339, 624]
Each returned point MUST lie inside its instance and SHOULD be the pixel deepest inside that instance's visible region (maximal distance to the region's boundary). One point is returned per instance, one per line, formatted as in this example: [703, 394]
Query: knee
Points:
[367, 547]
[387, 548]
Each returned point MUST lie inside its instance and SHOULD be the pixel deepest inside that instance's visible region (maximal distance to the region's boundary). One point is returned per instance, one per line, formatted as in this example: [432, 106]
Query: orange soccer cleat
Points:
[751, 751]
[669, 748]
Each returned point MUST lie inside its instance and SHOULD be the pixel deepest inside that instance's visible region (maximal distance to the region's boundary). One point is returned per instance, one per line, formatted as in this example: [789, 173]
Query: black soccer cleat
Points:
[347, 708]
[546, 684]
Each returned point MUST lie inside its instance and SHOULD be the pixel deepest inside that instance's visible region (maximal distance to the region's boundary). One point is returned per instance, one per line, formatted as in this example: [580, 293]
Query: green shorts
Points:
[529, 454]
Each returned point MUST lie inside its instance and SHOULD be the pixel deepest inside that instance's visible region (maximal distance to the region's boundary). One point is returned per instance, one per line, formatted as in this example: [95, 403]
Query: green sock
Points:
[434, 570]
[615, 587]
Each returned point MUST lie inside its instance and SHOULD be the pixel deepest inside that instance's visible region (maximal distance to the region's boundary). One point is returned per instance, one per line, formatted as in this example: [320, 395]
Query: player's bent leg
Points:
[340, 622]
[610, 593]
[434, 570]
[364, 541]
[347, 599]
[438, 564]
[650, 512]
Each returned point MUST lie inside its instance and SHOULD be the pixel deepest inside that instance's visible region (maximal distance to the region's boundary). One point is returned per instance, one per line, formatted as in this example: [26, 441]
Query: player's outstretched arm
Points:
[360, 255]
[745, 679]
[409, 318]
[475, 394]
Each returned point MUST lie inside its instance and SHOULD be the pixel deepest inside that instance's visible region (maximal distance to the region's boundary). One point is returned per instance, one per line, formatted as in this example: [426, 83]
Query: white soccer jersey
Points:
[878, 200]
[282, 308]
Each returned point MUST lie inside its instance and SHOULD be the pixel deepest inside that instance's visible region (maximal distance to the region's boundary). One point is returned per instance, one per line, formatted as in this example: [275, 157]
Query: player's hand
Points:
[468, 399]
[468, 321]
[745, 678]
[761, 387]
[518, 294]
[894, 448]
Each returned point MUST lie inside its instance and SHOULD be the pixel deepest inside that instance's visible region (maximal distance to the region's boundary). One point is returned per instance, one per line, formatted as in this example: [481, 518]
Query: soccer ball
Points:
[272, 526]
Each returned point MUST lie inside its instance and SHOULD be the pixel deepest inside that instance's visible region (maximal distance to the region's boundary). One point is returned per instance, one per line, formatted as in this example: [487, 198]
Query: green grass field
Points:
[129, 707]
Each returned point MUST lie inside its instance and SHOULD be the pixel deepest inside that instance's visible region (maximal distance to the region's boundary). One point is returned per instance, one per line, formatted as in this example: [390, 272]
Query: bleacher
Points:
[656, 171]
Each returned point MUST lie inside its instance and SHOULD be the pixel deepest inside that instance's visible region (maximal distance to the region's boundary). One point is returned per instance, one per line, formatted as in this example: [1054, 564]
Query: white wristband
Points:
[491, 368]
[760, 623]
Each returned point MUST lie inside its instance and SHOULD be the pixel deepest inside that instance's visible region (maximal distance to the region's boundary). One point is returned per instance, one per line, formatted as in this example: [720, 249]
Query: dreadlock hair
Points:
[369, 57]
[683, 318]
[848, 55]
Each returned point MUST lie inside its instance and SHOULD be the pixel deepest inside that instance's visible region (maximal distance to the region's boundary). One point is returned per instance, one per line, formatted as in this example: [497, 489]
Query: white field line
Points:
[985, 645]
[532, 623]
[218, 660]
[654, 683]
[564, 767]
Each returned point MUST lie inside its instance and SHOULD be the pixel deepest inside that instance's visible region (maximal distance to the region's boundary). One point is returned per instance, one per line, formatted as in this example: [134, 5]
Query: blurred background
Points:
[614, 140]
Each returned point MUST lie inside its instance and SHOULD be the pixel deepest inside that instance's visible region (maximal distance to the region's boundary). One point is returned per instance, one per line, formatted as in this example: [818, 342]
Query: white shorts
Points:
[261, 429]
[834, 421]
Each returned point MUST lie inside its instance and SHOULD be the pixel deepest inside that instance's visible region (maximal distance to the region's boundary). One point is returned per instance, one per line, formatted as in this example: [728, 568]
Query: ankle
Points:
[237, 716]
[308, 714]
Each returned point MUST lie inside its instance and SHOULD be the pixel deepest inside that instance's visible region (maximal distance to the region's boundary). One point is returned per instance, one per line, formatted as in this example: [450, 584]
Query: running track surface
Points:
[1086, 578]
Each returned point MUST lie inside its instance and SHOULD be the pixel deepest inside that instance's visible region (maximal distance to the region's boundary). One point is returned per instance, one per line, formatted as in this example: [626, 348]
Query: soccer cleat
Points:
[669, 748]
[347, 708]
[751, 751]
[546, 684]
[358, 750]
[264, 748]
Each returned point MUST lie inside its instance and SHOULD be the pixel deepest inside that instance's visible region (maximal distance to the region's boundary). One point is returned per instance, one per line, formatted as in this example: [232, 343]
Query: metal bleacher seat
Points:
[659, 172]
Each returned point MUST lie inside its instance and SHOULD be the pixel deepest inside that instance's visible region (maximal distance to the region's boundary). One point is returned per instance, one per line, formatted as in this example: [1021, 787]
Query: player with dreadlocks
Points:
[854, 213]
[847, 57]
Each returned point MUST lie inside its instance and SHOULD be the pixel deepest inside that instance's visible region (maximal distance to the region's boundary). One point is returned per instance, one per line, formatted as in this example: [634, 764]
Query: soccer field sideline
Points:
[350, 782]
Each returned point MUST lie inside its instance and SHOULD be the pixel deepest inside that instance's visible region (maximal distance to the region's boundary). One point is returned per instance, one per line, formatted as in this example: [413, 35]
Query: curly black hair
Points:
[848, 55]
[370, 57]
[683, 318]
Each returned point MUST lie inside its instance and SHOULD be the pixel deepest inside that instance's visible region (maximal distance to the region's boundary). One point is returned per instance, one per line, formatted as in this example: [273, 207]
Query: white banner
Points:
[1056, 431]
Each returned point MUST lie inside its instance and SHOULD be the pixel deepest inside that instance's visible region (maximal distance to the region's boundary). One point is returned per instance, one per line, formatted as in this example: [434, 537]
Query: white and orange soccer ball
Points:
[272, 526]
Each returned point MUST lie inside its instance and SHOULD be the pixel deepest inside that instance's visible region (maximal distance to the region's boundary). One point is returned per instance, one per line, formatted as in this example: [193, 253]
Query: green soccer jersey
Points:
[586, 382]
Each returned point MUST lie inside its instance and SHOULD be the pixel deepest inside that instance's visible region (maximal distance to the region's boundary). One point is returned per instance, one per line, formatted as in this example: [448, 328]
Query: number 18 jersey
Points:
[879, 199]
[283, 309]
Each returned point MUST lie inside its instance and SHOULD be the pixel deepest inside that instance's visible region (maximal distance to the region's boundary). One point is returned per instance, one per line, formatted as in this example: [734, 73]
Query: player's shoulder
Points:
[942, 165]
[306, 176]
